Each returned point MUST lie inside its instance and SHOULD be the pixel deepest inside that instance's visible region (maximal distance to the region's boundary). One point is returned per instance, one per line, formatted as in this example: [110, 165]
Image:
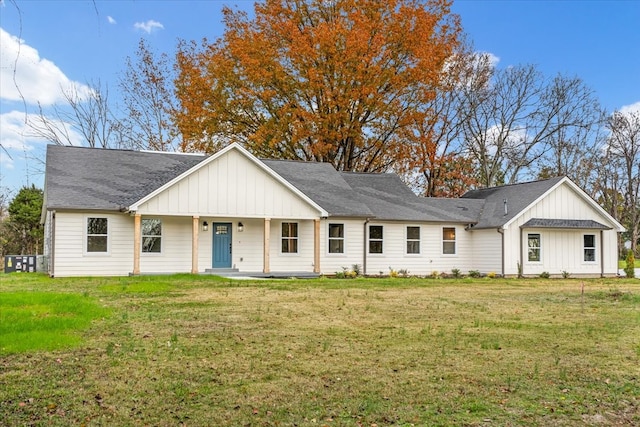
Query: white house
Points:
[120, 212]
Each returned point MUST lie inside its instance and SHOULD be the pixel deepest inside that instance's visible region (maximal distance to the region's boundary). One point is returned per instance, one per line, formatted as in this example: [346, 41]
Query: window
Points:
[289, 237]
[97, 235]
[589, 247]
[375, 239]
[413, 240]
[336, 238]
[151, 235]
[449, 240]
[533, 247]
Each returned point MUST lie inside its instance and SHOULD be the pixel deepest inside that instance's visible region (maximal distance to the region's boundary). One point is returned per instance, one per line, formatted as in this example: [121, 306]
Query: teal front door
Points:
[221, 245]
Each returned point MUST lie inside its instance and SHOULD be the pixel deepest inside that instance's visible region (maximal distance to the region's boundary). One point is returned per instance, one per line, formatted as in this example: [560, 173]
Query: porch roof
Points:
[575, 224]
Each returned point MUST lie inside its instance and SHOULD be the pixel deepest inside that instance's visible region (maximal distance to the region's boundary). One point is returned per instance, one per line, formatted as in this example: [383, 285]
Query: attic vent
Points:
[506, 207]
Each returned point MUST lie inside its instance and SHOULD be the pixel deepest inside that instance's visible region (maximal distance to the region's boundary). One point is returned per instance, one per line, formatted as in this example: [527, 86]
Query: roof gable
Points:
[232, 147]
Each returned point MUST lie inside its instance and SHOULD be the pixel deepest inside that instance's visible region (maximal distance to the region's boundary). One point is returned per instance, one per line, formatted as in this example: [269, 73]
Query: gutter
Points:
[602, 254]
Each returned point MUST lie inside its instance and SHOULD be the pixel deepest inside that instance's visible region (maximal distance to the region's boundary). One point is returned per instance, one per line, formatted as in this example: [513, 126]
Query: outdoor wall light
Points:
[240, 227]
[205, 226]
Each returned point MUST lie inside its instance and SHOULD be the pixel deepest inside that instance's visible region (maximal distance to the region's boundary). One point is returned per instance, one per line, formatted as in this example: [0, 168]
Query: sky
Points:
[47, 46]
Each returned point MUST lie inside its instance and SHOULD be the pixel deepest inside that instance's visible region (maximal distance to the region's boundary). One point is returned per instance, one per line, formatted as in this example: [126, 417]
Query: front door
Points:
[221, 245]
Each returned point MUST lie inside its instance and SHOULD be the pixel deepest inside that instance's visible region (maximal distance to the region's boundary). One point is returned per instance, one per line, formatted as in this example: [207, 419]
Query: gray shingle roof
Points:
[322, 184]
[98, 179]
[585, 224]
[518, 197]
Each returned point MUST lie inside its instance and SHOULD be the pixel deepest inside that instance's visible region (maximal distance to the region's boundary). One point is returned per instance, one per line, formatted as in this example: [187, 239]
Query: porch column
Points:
[137, 241]
[267, 236]
[195, 222]
[316, 246]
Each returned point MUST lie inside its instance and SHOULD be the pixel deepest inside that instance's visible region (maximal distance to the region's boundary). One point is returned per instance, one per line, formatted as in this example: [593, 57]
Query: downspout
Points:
[521, 272]
[501, 231]
[52, 254]
[601, 253]
[364, 248]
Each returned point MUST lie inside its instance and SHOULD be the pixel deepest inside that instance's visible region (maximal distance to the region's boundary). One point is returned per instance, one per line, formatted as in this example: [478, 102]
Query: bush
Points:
[492, 275]
[565, 274]
[456, 273]
[545, 275]
[629, 270]
[474, 273]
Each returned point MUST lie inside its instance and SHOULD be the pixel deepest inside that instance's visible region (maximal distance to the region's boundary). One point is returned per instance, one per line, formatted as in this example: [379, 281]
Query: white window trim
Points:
[539, 248]
[407, 240]
[281, 238]
[343, 238]
[443, 241]
[594, 247]
[86, 236]
[375, 254]
[142, 236]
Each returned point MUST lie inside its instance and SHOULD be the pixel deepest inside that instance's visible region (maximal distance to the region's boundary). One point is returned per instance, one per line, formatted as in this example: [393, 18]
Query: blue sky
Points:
[65, 44]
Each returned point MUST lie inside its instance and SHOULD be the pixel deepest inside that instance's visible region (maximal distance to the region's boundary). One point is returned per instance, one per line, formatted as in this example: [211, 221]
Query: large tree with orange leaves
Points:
[336, 81]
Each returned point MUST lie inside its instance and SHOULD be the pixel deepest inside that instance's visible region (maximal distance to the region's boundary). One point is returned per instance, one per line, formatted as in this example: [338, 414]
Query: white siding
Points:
[431, 259]
[289, 262]
[561, 249]
[353, 246]
[230, 186]
[487, 251]
[71, 258]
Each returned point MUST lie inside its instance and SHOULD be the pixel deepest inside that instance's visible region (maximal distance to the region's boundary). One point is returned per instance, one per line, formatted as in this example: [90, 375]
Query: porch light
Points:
[240, 227]
[205, 226]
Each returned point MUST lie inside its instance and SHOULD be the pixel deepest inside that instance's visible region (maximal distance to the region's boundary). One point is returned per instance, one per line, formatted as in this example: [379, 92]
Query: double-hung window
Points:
[375, 239]
[336, 238]
[449, 240]
[151, 235]
[533, 247]
[97, 235]
[589, 247]
[289, 237]
[413, 240]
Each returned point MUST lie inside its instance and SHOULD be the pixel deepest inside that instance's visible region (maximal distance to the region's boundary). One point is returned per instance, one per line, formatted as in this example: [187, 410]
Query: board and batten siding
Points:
[561, 249]
[430, 260]
[353, 246]
[70, 256]
[229, 186]
[487, 251]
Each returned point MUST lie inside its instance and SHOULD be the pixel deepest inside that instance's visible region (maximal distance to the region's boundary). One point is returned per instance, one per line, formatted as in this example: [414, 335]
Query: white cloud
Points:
[111, 20]
[626, 109]
[26, 76]
[148, 26]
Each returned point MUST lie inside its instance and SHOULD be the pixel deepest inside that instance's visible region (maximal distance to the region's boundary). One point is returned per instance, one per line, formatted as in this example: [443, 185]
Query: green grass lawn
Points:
[202, 351]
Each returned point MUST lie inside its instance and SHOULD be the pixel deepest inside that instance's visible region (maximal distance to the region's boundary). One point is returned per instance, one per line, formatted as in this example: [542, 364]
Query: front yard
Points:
[200, 351]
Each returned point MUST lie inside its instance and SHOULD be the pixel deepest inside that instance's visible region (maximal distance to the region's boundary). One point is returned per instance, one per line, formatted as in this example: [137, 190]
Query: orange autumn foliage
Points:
[334, 81]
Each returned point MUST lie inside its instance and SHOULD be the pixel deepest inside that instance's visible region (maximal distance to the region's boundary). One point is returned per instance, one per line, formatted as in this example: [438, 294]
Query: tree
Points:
[23, 230]
[511, 123]
[147, 93]
[87, 114]
[331, 81]
[623, 158]
[438, 165]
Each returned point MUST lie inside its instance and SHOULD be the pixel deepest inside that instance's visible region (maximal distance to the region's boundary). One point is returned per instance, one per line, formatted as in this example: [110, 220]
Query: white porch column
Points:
[137, 242]
[266, 244]
[316, 246]
[195, 225]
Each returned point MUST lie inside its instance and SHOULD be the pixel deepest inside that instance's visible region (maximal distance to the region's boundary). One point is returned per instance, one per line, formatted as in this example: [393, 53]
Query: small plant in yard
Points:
[474, 274]
[629, 269]
[456, 273]
[356, 269]
[519, 266]
[392, 272]
[545, 275]
[565, 274]
[403, 272]
[341, 274]
[435, 274]
[492, 275]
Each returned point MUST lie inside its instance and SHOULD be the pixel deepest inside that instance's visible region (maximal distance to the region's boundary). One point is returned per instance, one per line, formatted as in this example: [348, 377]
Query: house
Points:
[121, 212]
